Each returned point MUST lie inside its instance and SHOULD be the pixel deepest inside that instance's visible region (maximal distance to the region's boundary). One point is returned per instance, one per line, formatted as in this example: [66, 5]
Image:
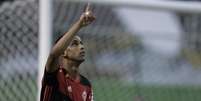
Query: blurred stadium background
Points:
[133, 54]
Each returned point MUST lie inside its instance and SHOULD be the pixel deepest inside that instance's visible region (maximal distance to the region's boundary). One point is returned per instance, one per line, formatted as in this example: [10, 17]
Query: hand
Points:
[87, 17]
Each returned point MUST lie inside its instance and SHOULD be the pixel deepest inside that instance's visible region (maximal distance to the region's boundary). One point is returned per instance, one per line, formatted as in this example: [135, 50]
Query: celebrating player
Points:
[62, 80]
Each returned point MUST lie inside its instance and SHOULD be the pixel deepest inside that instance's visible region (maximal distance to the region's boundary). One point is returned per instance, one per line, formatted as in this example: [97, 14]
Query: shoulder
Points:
[50, 78]
[49, 74]
[85, 81]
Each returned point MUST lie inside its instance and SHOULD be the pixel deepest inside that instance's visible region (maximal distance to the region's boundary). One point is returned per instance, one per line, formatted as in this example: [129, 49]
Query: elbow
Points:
[52, 54]
[55, 53]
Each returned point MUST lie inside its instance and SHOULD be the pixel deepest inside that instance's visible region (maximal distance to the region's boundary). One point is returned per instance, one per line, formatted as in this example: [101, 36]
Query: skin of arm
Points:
[58, 49]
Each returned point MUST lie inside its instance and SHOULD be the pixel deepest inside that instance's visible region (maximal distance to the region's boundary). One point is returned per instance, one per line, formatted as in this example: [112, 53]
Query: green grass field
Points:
[105, 89]
[113, 90]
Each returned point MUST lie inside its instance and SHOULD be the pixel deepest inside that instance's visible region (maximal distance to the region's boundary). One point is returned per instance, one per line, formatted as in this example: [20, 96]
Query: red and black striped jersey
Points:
[57, 87]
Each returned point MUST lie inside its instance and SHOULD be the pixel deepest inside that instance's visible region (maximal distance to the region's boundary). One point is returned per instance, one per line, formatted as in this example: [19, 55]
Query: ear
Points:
[65, 53]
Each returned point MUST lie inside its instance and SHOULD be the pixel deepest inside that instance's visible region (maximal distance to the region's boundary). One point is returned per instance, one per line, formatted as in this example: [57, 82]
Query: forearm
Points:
[63, 43]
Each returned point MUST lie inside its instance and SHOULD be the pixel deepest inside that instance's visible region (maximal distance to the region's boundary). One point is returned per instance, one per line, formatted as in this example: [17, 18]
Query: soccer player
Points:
[62, 80]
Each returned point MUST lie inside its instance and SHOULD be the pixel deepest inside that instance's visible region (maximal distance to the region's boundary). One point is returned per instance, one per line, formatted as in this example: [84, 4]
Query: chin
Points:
[79, 60]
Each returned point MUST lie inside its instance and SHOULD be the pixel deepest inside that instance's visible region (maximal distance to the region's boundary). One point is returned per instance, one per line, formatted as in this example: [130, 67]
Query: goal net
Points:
[18, 50]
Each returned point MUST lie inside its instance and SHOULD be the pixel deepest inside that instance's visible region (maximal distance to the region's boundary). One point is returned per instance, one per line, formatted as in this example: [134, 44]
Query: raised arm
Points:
[85, 19]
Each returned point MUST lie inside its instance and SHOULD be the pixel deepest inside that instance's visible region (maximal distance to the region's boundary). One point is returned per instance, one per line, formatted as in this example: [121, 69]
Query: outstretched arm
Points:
[85, 19]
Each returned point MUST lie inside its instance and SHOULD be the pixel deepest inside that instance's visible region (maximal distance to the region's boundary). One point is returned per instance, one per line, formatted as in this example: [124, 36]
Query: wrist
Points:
[79, 23]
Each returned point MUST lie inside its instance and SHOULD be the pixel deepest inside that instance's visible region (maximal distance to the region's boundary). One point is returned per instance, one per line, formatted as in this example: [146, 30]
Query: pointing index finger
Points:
[87, 7]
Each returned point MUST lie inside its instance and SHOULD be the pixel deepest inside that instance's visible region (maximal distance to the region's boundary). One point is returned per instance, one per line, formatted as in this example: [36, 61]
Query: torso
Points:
[74, 89]
[58, 87]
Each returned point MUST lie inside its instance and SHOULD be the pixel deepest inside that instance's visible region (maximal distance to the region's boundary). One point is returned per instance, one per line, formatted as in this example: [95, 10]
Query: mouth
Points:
[82, 53]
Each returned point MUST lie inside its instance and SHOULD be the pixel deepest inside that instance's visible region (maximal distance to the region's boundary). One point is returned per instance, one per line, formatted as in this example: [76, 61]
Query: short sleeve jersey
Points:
[58, 87]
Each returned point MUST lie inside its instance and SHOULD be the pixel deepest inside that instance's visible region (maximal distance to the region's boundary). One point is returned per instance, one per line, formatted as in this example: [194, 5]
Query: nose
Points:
[81, 47]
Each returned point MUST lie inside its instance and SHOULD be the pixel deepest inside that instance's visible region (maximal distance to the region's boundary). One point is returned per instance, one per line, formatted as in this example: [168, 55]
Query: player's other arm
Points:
[52, 62]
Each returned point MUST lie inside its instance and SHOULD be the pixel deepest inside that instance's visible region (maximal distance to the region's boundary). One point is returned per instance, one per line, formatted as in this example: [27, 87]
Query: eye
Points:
[74, 44]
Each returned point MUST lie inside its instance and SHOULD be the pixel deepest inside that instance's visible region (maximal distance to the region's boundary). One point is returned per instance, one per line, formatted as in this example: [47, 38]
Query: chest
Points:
[74, 90]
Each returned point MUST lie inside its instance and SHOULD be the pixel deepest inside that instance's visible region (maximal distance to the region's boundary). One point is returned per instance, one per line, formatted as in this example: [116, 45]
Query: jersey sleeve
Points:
[50, 78]
[49, 83]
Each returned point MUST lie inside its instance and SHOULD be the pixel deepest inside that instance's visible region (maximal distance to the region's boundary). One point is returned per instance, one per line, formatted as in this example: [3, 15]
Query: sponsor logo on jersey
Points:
[84, 95]
[69, 89]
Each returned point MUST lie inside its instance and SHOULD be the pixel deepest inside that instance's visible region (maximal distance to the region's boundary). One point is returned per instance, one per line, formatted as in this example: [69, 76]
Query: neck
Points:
[72, 67]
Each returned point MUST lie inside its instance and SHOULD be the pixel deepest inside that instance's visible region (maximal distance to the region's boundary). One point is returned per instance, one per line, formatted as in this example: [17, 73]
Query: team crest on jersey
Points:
[69, 89]
[84, 95]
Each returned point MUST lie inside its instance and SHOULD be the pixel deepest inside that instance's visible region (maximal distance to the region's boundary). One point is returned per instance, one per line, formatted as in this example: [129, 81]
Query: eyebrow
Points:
[77, 41]
[74, 41]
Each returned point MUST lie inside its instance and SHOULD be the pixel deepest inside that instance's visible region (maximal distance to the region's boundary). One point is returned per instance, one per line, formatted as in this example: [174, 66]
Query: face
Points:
[75, 50]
